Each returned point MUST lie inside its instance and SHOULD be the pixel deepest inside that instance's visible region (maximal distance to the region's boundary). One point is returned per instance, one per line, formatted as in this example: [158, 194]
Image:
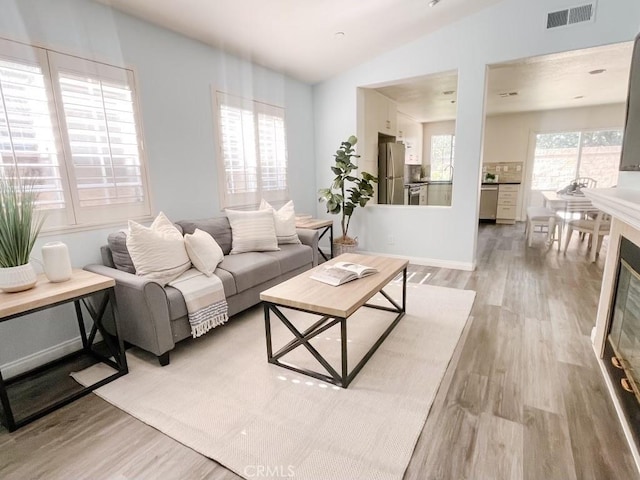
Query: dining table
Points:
[566, 205]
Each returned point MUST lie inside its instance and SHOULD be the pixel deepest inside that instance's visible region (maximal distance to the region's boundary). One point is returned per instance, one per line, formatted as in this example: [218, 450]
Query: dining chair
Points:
[541, 217]
[596, 227]
[585, 182]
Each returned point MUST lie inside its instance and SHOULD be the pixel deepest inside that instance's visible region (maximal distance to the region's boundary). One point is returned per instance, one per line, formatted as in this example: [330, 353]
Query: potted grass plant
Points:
[347, 192]
[20, 225]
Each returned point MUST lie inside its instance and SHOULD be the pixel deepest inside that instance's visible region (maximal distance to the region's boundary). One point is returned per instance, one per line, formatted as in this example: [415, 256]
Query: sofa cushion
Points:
[117, 242]
[292, 257]
[250, 269]
[217, 227]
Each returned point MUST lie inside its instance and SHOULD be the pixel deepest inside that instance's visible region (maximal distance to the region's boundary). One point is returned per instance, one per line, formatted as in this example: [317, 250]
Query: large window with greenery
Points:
[253, 161]
[442, 157]
[561, 157]
[70, 127]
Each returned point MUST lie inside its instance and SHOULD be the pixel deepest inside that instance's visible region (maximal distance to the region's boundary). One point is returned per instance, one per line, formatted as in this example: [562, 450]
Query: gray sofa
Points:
[154, 318]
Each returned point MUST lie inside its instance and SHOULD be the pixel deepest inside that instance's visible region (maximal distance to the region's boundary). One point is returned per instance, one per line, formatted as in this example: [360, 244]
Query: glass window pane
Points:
[27, 142]
[442, 157]
[555, 161]
[600, 156]
[102, 132]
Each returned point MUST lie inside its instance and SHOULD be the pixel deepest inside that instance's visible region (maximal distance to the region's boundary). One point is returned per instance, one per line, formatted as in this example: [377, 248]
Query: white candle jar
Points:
[56, 262]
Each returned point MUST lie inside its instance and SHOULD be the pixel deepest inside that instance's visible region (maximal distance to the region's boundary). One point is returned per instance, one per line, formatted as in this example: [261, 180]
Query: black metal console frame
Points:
[328, 228]
[344, 377]
[114, 344]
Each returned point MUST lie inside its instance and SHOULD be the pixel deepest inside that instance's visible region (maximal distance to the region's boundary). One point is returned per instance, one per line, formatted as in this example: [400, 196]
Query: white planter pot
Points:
[17, 279]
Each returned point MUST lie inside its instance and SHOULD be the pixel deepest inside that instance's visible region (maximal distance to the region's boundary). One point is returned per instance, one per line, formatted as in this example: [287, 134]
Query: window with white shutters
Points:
[29, 148]
[70, 127]
[254, 151]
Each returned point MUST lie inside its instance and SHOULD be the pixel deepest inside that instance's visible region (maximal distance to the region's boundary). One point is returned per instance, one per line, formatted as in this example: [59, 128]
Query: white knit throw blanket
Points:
[204, 296]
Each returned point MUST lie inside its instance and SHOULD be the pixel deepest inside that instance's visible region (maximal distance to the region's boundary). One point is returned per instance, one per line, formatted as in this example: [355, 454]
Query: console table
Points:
[44, 295]
[317, 224]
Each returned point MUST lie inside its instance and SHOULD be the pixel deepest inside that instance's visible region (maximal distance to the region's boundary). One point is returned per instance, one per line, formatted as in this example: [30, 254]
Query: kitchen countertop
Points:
[427, 182]
[501, 183]
[415, 184]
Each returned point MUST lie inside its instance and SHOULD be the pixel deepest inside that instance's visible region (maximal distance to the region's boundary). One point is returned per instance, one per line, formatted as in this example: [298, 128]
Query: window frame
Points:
[249, 199]
[74, 217]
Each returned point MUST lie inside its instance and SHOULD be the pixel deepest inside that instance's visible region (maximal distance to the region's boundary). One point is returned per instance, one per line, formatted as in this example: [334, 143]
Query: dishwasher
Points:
[488, 202]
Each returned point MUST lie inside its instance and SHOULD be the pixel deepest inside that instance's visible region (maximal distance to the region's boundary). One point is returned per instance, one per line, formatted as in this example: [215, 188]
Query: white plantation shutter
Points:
[273, 151]
[70, 127]
[29, 146]
[254, 151]
[104, 150]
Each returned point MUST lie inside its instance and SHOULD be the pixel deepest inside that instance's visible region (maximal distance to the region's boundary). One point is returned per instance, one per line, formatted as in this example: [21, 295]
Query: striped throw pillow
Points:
[285, 222]
[252, 231]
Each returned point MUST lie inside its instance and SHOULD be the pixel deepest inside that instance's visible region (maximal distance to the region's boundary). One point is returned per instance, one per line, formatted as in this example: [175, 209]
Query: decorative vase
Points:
[56, 262]
[17, 279]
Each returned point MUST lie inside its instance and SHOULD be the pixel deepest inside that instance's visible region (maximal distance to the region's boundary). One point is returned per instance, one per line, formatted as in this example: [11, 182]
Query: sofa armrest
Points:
[143, 310]
[310, 237]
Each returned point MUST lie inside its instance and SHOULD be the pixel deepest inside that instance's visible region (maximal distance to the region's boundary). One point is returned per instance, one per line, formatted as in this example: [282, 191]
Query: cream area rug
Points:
[220, 397]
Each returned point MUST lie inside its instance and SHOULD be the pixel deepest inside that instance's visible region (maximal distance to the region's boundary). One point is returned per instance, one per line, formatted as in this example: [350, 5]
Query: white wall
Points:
[510, 30]
[174, 76]
[511, 137]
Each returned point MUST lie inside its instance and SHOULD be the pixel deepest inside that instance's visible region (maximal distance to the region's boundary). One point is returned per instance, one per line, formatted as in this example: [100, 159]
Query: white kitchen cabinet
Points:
[439, 194]
[507, 203]
[382, 112]
[410, 133]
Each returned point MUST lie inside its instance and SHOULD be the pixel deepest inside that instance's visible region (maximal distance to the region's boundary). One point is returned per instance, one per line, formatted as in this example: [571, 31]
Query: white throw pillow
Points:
[158, 251]
[204, 251]
[285, 222]
[252, 231]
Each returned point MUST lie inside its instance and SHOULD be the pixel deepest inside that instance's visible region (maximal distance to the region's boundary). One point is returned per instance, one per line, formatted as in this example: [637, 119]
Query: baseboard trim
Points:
[34, 360]
[428, 262]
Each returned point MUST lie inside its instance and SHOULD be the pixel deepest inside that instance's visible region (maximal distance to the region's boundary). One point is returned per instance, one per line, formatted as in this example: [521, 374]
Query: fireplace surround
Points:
[622, 347]
[623, 257]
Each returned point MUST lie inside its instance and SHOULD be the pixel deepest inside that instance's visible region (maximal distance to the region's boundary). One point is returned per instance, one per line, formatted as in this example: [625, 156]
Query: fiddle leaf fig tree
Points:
[348, 190]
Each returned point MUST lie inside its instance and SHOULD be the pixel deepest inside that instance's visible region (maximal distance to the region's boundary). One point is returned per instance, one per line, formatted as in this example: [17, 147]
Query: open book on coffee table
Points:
[342, 272]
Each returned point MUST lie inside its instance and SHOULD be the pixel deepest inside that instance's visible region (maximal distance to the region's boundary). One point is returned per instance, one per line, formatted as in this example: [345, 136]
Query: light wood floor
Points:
[523, 397]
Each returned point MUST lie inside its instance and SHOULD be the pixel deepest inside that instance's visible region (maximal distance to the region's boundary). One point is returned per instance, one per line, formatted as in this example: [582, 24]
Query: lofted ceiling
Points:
[298, 37]
[542, 83]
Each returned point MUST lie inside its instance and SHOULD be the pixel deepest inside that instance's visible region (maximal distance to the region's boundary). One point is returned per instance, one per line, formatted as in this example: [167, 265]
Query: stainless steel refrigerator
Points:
[391, 173]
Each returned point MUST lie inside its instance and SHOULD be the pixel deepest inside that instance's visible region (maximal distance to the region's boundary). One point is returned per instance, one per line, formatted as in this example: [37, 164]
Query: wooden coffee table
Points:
[334, 305]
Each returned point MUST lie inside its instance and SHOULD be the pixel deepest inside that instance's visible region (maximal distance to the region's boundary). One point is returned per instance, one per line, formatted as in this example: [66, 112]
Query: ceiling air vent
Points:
[571, 16]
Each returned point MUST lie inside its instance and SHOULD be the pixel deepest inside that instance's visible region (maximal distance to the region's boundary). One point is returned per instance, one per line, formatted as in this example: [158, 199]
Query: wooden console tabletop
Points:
[46, 293]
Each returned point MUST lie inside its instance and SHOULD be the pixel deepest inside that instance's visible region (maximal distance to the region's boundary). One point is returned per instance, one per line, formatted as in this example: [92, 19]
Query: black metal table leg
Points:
[267, 327]
[9, 421]
[328, 228]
